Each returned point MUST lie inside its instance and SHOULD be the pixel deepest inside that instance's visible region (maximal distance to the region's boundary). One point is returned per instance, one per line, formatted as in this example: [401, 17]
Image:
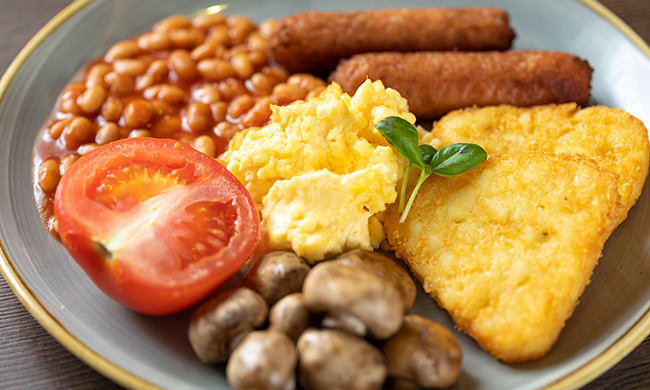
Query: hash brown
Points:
[613, 138]
[508, 247]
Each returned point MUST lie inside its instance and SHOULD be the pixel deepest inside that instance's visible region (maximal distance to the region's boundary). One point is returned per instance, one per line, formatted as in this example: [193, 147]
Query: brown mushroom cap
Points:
[329, 359]
[290, 316]
[277, 274]
[423, 353]
[385, 267]
[355, 296]
[221, 322]
[264, 360]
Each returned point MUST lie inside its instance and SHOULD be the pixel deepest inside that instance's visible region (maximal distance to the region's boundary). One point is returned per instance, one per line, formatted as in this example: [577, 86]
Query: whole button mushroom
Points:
[329, 359]
[277, 274]
[423, 353]
[264, 360]
[221, 322]
[290, 316]
[354, 300]
[385, 267]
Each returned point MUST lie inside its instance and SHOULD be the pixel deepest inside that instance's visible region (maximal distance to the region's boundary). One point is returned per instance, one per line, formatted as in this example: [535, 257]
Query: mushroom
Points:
[329, 359]
[277, 274]
[221, 322]
[264, 360]
[385, 267]
[354, 300]
[290, 316]
[423, 353]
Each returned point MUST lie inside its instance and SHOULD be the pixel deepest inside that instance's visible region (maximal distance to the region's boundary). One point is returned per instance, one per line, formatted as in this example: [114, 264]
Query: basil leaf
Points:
[448, 161]
[403, 136]
[428, 153]
[457, 158]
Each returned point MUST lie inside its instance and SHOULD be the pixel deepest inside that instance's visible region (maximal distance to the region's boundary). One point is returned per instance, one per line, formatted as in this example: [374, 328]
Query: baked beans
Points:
[124, 49]
[285, 93]
[207, 94]
[69, 97]
[107, 133]
[197, 117]
[56, 129]
[112, 109]
[197, 80]
[49, 175]
[130, 66]
[204, 51]
[231, 87]
[239, 106]
[219, 112]
[205, 145]
[158, 69]
[92, 99]
[121, 84]
[242, 65]
[172, 22]
[139, 133]
[215, 69]
[96, 74]
[257, 115]
[204, 22]
[67, 162]
[137, 114]
[143, 82]
[77, 132]
[154, 41]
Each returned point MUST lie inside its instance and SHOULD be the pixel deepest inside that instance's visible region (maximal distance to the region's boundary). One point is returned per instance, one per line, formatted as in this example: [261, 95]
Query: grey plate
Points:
[140, 351]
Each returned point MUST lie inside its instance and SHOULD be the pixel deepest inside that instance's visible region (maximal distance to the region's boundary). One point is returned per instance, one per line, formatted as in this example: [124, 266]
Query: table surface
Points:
[31, 359]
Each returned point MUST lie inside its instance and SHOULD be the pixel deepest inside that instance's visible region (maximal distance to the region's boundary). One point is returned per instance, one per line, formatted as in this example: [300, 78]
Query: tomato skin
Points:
[155, 224]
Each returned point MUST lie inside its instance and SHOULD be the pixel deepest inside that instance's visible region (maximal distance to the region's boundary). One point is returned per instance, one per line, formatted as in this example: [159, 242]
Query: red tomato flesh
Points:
[156, 224]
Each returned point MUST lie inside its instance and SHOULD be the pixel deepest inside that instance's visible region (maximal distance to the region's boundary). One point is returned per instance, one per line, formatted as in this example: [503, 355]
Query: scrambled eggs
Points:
[320, 172]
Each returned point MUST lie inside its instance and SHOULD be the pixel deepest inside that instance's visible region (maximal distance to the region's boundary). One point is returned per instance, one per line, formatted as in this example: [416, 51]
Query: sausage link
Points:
[314, 42]
[435, 83]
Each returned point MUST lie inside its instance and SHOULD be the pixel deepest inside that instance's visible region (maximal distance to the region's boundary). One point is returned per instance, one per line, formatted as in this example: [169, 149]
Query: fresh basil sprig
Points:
[448, 161]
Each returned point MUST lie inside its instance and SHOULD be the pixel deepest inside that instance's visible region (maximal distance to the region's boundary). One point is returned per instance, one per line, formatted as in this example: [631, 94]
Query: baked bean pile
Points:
[197, 80]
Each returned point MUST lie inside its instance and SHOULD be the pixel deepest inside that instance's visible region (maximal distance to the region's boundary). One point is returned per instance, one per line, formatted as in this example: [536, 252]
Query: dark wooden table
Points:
[31, 359]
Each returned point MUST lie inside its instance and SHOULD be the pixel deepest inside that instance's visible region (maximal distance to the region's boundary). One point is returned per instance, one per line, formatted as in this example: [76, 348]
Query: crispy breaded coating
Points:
[315, 41]
[612, 137]
[508, 247]
[435, 83]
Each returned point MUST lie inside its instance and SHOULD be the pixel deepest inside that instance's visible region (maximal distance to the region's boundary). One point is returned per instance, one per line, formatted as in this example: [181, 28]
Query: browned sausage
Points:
[315, 41]
[435, 83]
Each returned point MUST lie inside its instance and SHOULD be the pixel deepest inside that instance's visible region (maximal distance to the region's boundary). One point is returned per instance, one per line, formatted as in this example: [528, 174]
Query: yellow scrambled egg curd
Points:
[320, 172]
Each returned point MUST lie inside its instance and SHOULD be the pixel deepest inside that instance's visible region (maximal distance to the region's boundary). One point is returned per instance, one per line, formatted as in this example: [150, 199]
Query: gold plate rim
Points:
[579, 377]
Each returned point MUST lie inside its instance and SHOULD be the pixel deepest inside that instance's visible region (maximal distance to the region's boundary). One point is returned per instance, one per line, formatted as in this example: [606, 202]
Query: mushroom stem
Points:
[345, 322]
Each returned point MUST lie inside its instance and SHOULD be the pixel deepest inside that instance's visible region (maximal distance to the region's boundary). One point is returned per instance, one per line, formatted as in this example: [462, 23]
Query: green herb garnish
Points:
[448, 161]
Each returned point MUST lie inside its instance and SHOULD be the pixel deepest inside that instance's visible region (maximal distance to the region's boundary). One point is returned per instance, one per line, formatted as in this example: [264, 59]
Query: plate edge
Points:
[641, 328]
[7, 268]
[580, 377]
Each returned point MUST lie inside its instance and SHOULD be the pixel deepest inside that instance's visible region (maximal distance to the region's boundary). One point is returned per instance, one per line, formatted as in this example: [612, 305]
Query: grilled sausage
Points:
[315, 41]
[435, 83]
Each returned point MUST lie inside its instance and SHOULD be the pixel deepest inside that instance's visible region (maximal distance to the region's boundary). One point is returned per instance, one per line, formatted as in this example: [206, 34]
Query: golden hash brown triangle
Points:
[612, 137]
[508, 248]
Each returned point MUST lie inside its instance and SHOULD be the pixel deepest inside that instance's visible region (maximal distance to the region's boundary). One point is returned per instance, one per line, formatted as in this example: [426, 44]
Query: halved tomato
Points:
[156, 224]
